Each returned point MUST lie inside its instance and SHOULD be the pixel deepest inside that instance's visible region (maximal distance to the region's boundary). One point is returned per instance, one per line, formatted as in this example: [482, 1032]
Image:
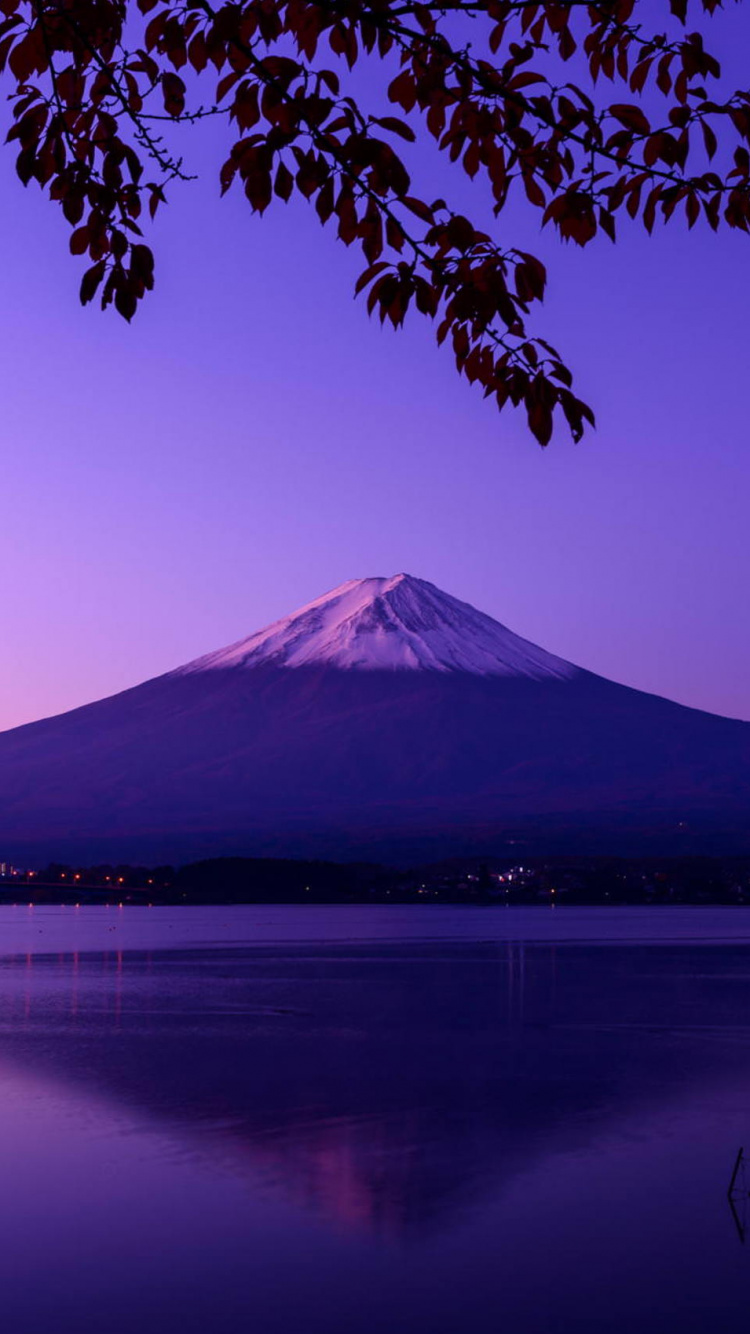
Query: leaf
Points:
[607, 224]
[173, 90]
[224, 85]
[403, 90]
[419, 208]
[367, 276]
[197, 53]
[524, 80]
[631, 117]
[90, 282]
[79, 241]
[534, 192]
[396, 126]
[284, 182]
[126, 303]
[709, 139]
[692, 210]
[142, 264]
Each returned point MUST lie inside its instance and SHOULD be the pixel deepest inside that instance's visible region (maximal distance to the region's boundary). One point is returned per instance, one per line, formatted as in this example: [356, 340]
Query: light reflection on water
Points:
[284, 1120]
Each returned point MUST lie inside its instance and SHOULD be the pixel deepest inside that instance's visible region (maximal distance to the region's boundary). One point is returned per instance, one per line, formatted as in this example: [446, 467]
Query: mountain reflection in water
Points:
[397, 1091]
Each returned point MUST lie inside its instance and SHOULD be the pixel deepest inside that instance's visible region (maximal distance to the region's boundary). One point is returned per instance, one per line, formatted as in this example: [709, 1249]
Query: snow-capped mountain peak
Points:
[395, 624]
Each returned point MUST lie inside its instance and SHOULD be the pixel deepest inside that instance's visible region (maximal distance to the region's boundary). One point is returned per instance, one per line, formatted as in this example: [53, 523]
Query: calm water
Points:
[360, 1121]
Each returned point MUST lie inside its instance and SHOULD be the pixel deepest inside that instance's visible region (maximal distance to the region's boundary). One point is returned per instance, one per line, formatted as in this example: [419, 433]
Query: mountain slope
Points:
[385, 720]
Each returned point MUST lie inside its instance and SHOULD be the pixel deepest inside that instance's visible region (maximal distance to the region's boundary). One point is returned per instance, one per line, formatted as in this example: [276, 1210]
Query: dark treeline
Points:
[534, 880]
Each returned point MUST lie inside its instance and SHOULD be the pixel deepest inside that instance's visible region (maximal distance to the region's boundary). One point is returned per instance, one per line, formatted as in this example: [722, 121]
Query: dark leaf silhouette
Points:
[516, 96]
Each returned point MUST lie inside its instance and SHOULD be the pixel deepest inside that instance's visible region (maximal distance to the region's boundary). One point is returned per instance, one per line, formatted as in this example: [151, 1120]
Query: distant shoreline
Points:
[471, 881]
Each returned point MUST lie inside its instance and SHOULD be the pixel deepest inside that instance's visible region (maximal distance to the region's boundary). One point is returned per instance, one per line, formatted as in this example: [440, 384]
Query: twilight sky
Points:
[253, 440]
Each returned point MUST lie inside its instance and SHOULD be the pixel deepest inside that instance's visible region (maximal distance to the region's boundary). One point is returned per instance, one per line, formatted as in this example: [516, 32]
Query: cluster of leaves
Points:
[92, 79]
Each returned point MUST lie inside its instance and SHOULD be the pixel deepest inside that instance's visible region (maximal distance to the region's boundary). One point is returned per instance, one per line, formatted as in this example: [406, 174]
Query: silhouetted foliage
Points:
[91, 80]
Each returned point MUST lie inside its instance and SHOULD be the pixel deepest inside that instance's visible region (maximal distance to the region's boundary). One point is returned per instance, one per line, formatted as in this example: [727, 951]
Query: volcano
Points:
[385, 720]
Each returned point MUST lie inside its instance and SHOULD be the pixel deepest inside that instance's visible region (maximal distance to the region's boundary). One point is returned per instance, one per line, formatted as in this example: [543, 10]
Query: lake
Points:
[355, 1120]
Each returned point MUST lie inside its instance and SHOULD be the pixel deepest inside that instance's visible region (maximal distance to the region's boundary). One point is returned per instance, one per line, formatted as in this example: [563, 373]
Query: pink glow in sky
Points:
[252, 440]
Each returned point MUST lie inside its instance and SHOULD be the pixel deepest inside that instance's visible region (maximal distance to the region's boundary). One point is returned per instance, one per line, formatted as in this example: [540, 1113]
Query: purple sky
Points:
[253, 440]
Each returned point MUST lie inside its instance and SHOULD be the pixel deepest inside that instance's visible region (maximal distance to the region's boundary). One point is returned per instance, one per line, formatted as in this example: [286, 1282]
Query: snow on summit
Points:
[396, 624]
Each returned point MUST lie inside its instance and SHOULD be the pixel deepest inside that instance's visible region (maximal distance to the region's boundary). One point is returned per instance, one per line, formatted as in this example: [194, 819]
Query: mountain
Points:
[385, 720]
[389, 625]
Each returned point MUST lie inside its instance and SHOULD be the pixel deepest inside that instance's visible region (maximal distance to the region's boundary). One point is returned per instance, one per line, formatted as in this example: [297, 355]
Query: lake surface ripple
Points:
[367, 1120]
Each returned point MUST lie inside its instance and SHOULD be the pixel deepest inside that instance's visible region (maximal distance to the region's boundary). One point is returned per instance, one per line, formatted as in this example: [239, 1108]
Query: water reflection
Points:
[357, 1137]
[388, 1088]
